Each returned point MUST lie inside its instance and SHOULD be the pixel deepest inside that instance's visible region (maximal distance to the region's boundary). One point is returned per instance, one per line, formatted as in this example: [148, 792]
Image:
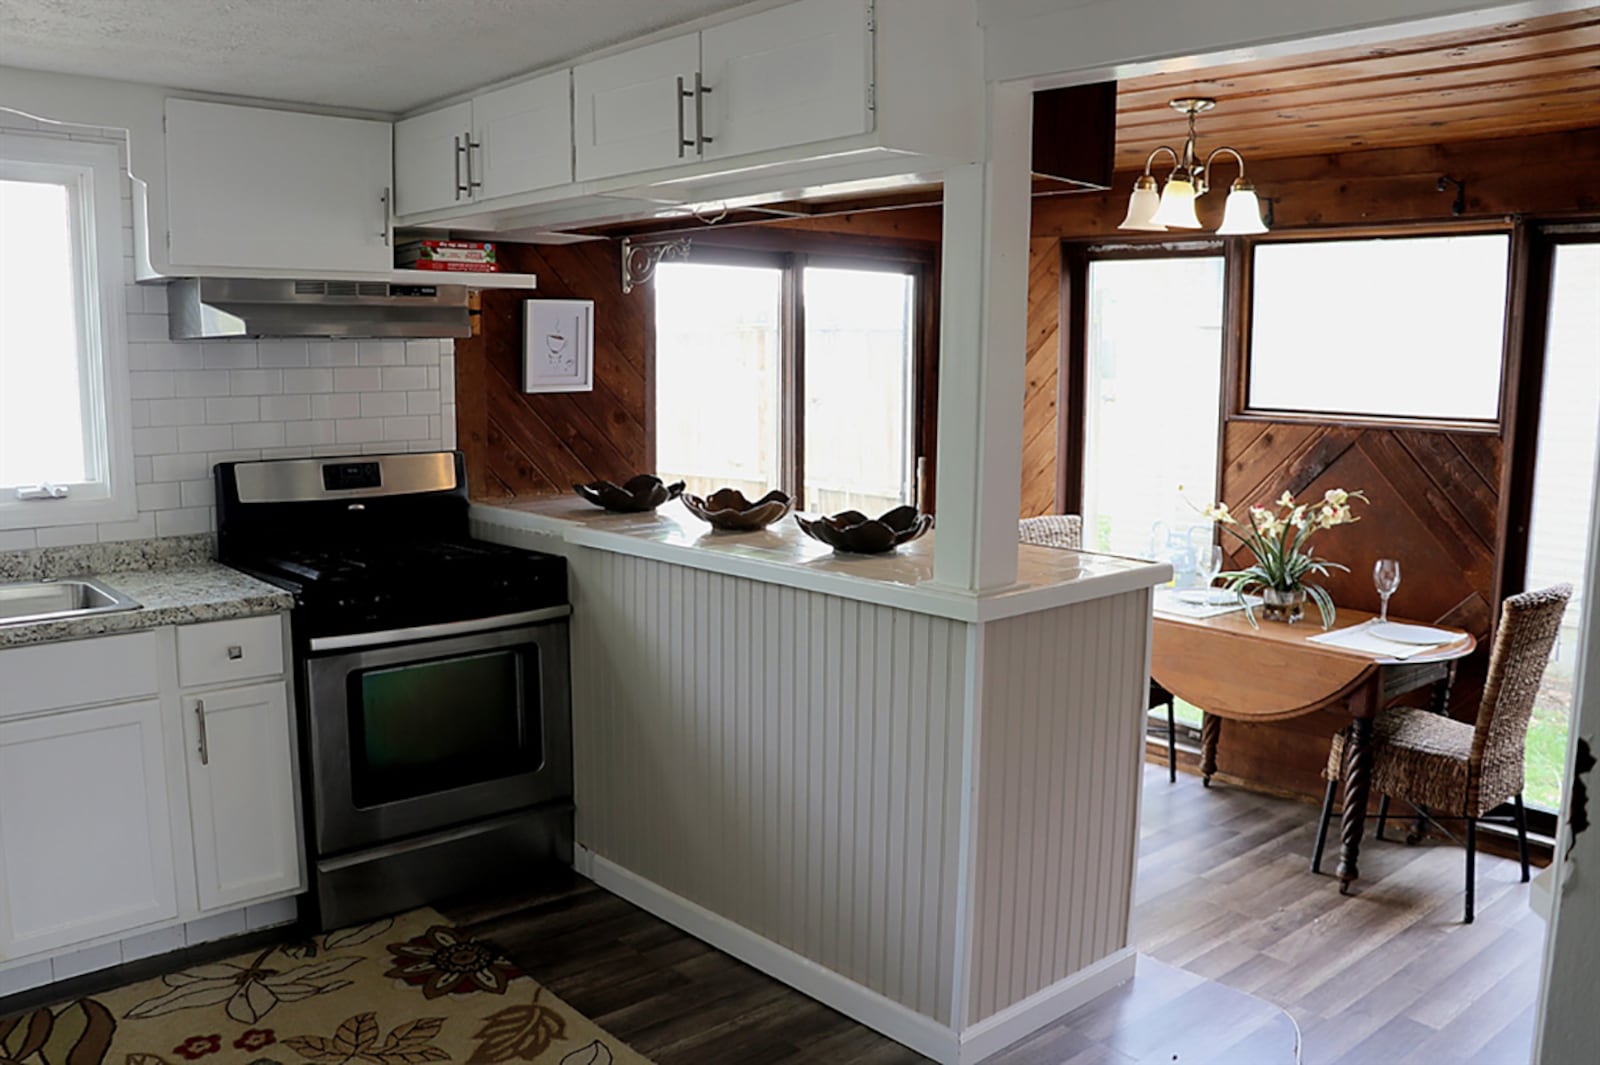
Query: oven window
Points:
[428, 727]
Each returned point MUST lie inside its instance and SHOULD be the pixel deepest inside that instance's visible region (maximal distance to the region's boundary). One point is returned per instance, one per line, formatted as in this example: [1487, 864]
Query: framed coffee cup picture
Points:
[558, 346]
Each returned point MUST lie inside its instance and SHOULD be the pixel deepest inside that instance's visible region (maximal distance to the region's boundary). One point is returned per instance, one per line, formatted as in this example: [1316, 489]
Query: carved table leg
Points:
[1357, 786]
[1210, 732]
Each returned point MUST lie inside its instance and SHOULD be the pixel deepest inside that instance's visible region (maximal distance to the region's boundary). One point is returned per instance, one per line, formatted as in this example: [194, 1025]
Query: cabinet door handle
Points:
[460, 188]
[235, 652]
[200, 716]
[683, 94]
[700, 91]
[387, 234]
[471, 145]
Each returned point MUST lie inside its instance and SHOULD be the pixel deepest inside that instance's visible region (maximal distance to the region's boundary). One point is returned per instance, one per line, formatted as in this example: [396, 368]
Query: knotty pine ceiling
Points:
[1529, 76]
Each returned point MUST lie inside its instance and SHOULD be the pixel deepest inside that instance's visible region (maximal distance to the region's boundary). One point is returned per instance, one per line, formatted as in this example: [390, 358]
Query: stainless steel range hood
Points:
[201, 308]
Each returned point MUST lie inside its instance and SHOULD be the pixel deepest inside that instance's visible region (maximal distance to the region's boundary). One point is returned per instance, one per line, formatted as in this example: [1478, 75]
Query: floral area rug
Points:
[401, 991]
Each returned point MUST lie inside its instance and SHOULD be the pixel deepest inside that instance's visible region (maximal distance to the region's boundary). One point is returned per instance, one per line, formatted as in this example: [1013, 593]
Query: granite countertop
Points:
[175, 582]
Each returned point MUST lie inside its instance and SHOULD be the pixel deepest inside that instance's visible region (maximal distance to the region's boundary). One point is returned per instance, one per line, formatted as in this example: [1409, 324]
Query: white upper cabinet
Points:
[523, 135]
[793, 75]
[254, 188]
[501, 143]
[242, 794]
[430, 159]
[630, 111]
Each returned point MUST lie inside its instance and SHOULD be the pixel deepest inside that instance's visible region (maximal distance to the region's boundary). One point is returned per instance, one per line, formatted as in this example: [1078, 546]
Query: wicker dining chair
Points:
[1452, 770]
[1066, 531]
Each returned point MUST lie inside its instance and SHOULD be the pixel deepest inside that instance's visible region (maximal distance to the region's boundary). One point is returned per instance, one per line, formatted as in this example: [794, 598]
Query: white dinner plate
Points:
[1414, 634]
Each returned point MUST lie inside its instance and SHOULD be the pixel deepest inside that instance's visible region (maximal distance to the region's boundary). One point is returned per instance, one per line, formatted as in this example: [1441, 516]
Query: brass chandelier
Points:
[1190, 178]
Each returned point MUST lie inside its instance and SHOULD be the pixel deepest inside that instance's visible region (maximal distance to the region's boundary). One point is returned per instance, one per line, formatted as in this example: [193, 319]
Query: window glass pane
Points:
[718, 375]
[41, 403]
[1563, 494]
[1154, 385]
[1409, 327]
[860, 337]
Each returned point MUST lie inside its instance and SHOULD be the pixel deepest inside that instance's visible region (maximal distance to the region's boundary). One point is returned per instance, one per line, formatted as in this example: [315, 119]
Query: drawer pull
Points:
[235, 652]
[205, 747]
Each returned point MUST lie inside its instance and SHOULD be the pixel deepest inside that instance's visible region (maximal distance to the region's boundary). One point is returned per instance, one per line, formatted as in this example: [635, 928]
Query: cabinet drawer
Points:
[55, 676]
[219, 652]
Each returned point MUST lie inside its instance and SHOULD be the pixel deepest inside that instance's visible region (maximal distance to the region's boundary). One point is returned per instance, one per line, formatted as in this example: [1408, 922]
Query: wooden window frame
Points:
[791, 252]
[1241, 291]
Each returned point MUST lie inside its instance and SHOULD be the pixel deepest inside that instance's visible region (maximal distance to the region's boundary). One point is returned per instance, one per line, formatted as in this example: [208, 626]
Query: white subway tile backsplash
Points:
[183, 522]
[205, 438]
[362, 379]
[201, 383]
[232, 410]
[177, 411]
[229, 355]
[139, 413]
[410, 427]
[67, 535]
[447, 379]
[381, 352]
[154, 441]
[197, 493]
[404, 378]
[340, 405]
[17, 539]
[422, 352]
[307, 434]
[425, 402]
[285, 408]
[258, 434]
[141, 528]
[177, 468]
[142, 327]
[381, 404]
[151, 385]
[331, 353]
[358, 430]
[308, 381]
[255, 382]
[282, 353]
[162, 495]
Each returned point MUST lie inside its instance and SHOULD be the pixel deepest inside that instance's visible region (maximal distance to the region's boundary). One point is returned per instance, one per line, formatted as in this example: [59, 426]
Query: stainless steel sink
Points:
[58, 600]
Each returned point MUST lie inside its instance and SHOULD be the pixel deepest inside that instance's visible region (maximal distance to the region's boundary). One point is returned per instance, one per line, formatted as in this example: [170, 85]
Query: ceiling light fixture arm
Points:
[1149, 162]
[1203, 182]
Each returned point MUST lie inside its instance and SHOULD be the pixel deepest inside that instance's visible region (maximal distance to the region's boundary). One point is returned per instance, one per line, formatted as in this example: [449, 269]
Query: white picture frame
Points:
[558, 346]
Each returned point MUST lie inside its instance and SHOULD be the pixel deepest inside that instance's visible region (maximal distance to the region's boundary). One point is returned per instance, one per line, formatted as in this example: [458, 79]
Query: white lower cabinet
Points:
[242, 794]
[95, 843]
[85, 833]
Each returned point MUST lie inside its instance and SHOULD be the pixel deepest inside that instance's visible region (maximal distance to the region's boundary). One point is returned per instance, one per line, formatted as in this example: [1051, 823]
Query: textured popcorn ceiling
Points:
[383, 55]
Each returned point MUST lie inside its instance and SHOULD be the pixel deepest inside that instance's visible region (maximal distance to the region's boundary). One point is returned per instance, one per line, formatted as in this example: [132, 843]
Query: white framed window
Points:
[66, 439]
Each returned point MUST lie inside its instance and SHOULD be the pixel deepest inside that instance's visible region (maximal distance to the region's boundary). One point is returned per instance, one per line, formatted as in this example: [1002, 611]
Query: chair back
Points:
[1529, 624]
[1052, 530]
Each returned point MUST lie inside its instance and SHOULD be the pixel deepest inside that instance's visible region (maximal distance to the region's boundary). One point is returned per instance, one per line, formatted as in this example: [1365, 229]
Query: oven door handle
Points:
[429, 632]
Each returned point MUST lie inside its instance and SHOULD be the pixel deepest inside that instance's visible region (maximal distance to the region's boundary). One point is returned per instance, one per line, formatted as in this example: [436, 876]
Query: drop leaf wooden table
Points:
[1231, 670]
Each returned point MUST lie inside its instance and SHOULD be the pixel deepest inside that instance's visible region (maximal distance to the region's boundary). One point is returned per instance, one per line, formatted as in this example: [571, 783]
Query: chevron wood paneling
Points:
[531, 445]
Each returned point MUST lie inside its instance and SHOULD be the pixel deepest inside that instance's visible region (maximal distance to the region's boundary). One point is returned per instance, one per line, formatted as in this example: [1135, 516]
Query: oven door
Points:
[418, 736]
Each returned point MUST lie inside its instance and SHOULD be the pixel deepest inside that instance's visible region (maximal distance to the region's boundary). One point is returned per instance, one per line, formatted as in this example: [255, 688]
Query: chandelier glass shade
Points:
[1189, 179]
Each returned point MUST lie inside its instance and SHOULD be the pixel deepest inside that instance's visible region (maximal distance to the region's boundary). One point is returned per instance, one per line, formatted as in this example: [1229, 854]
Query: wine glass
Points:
[1386, 578]
[1209, 565]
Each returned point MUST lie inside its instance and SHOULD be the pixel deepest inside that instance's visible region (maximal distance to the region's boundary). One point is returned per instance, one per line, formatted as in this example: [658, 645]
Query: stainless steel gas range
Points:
[431, 677]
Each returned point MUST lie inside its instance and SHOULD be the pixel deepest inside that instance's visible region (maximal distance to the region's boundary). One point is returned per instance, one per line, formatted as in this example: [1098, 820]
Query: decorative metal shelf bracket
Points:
[639, 261]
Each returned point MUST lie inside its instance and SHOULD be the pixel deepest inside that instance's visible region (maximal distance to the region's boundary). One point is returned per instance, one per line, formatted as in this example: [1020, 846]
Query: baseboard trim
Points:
[901, 1023]
[996, 1032]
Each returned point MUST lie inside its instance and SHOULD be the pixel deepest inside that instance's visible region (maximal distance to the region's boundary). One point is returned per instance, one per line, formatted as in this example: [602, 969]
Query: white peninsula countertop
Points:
[782, 554]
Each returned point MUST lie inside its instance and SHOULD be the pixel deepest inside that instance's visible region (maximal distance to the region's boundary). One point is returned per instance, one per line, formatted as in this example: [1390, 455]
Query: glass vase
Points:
[1285, 606]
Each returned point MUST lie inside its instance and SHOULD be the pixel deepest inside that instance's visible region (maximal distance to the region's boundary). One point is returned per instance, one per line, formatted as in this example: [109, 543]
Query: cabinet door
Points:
[523, 135]
[627, 113]
[796, 74]
[254, 188]
[242, 794]
[430, 160]
[85, 839]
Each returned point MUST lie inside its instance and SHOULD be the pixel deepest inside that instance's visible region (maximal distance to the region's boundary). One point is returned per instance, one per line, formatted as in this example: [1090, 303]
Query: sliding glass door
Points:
[1563, 493]
[1152, 402]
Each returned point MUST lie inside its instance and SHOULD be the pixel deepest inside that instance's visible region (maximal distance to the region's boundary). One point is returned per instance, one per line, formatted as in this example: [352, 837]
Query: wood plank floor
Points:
[1387, 975]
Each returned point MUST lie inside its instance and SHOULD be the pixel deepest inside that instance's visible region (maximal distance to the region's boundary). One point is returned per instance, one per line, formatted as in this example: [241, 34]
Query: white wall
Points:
[195, 404]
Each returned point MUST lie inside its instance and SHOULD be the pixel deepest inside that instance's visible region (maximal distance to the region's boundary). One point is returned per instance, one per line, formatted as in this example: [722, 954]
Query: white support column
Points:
[982, 351]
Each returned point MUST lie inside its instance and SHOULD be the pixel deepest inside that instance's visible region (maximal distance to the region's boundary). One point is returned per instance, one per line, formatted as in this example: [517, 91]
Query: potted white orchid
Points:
[1280, 538]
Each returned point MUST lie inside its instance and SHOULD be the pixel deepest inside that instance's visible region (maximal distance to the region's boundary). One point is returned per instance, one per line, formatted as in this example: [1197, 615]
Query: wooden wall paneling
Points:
[529, 445]
[1042, 393]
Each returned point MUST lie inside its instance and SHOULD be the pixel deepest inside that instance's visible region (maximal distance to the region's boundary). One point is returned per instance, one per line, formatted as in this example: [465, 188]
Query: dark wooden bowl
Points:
[642, 493]
[854, 532]
[728, 509]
